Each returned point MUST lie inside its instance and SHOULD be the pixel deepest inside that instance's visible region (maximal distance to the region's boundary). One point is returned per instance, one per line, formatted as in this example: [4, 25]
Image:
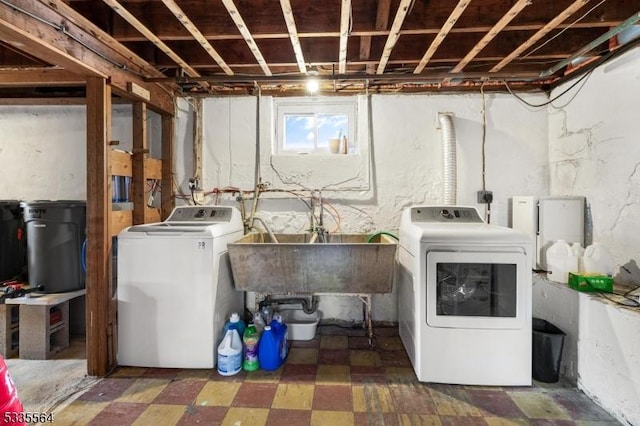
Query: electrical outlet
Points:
[485, 197]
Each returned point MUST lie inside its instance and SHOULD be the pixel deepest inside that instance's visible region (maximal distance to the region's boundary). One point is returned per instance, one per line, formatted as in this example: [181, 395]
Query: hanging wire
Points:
[585, 76]
[563, 30]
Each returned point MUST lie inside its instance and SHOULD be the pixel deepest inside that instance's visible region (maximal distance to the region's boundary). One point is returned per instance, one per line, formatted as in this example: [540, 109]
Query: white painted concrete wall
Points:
[43, 149]
[405, 154]
[594, 151]
[559, 304]
[602, 345]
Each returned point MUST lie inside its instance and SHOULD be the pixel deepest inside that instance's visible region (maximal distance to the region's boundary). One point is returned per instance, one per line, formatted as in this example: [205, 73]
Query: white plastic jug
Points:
[578, 251]
[230, 354]
[598, 260]
[560, 261]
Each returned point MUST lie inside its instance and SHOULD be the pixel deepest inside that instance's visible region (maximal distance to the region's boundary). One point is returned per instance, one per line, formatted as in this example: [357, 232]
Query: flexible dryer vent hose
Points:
[448, 159]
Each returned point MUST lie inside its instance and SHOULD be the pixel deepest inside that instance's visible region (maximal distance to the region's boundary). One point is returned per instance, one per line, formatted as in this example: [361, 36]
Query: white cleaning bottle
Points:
[578, 251]
[598, 260]
[230, 354]
[560, 262]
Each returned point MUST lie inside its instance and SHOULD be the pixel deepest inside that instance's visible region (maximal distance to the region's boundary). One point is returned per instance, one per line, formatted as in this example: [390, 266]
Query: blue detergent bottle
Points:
[234, 323]
[269, 349]
[280, 328]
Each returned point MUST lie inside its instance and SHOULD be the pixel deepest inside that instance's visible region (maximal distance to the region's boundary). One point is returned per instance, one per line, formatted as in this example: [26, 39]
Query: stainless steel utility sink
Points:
[346, 264]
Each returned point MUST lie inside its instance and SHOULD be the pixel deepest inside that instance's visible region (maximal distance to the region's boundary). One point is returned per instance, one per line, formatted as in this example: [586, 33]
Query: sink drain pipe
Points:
[308, 307]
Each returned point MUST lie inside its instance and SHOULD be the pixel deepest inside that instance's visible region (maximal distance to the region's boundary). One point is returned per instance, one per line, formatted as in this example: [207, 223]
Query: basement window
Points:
[313, 125]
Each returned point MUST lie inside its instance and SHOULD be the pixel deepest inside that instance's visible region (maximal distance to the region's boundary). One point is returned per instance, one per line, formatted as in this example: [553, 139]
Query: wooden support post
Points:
[168, 201]
[98, 280]
[140, 149]
[197, 138]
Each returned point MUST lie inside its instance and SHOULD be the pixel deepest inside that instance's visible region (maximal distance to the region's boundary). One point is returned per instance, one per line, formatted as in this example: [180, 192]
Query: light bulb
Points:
[313, 85]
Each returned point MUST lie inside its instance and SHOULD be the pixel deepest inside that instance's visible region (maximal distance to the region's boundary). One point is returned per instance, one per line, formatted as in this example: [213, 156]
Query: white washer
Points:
[464, 291]
[175, 289]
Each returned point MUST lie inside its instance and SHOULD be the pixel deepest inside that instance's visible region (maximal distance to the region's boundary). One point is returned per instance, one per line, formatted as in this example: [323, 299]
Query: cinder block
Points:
[9, 330]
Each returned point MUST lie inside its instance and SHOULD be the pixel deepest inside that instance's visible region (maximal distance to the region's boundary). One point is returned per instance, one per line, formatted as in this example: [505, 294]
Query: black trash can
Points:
[548, 341]
[12, 241]
[55, 235]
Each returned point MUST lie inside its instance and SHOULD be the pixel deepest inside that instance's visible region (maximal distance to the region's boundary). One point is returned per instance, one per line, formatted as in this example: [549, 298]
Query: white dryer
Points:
[175, 289]
[464, 291]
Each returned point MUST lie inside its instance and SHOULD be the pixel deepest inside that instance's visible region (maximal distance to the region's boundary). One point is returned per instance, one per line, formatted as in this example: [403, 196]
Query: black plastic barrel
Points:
[55, 234]
[12, 241]
[548, 341]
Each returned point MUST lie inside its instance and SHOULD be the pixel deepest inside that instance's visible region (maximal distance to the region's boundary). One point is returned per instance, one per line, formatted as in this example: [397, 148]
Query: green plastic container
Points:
[590, 283]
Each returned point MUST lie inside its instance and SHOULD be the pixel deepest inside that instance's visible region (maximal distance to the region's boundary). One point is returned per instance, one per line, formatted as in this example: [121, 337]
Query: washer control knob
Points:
[445, 213]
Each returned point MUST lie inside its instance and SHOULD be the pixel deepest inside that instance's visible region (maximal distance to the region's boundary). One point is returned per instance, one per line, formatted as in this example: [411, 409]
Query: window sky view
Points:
[313, 131]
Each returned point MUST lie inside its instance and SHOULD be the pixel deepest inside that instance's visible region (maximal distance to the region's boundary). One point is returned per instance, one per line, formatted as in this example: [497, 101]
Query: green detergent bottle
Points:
[250, 339]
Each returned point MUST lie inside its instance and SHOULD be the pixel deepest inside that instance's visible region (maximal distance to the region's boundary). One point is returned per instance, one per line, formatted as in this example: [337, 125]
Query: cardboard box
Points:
[590, 283]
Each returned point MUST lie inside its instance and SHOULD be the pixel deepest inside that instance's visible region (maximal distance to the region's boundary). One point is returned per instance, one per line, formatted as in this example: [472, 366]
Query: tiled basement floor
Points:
[332, 380]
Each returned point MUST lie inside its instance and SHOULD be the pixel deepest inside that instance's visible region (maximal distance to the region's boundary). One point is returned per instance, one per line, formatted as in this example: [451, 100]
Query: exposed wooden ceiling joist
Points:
[246, 34]
[102, 37]
[195, 32]
[365, 33]
[382, 20]
[360, 38]
[554, 23]
[446, 28]
[503, 22]
[133, 21]
[39, 77]
[293, 34]
[35, 27]
[345, 23]
[394, 34]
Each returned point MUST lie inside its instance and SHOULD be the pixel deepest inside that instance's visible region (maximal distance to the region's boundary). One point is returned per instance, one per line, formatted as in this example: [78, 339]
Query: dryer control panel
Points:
[207, 214]
[446, 214]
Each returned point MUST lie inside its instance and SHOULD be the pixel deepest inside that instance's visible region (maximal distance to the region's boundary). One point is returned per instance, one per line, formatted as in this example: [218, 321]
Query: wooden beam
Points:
[120, 219]
[503, 22]
[554, 23]
[153, 168]
[394, 34]
[39, 77]
[120, 163]
[140, 144]
[43, 101]
[195, 32]
[133, 21]
[25, 30]
[285, 5]
[100, 37]
[399, 61]
[167, 198]
[375, 33]
[246, 34]
[345, 21]
[98, 276]
[197, 138]
[382, 20]
[446, 28]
